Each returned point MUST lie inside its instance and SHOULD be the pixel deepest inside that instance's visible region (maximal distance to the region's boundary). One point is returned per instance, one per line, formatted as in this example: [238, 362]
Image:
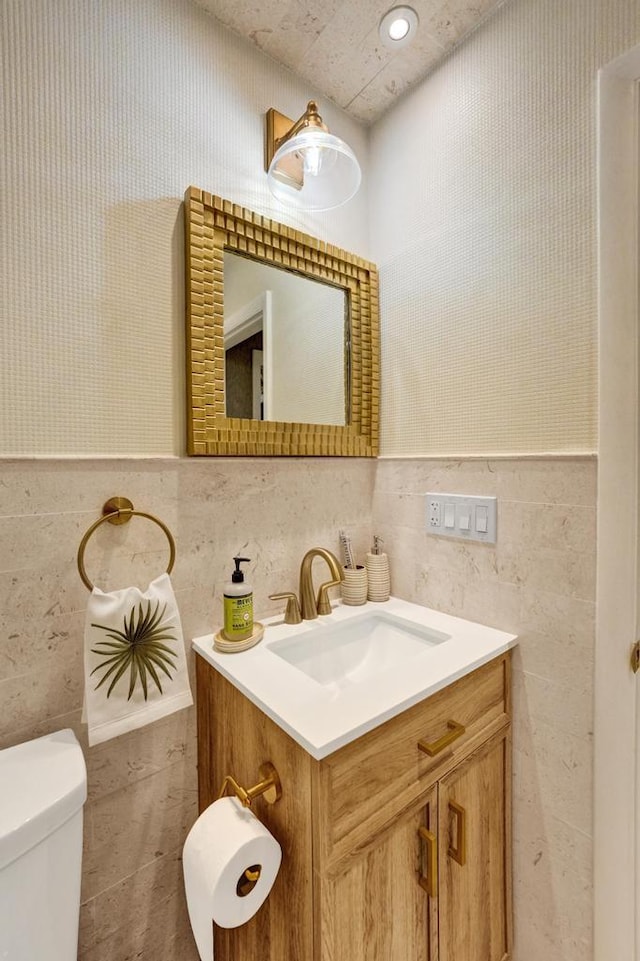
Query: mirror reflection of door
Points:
[247, 351]
[305, 344]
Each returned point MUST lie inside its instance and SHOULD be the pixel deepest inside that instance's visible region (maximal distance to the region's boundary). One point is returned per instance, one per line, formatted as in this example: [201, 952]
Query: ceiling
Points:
[334, 44]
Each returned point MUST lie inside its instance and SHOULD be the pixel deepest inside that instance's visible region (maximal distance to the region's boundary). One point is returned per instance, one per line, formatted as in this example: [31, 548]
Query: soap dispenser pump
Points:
[238, 605]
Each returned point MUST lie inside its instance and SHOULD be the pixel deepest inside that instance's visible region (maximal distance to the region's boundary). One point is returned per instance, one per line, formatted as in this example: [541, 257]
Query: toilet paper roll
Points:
[230, 862]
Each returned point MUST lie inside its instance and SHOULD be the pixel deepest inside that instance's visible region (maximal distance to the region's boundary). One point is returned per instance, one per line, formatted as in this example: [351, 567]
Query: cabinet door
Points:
[375, 909]
[474, 851]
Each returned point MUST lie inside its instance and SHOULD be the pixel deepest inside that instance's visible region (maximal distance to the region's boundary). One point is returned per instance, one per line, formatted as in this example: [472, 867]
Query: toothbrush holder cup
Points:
[354, 585]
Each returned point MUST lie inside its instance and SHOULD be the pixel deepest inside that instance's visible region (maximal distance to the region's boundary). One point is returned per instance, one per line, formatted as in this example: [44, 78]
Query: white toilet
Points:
[43, 786]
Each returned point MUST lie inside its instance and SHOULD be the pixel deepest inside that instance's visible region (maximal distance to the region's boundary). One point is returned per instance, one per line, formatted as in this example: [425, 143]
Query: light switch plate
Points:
[465, 507]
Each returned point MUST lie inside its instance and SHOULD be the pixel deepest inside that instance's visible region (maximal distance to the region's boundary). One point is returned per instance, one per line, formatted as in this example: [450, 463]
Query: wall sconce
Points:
[307, 166]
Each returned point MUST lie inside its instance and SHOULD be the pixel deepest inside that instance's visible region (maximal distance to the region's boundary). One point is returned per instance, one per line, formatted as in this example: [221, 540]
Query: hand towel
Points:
[134, 659]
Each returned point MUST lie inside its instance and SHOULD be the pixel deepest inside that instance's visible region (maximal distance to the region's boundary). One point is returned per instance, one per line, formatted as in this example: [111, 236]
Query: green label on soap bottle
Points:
[238, 617]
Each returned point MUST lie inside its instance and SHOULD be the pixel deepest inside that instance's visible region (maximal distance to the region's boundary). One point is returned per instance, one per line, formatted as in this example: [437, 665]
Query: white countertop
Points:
[324, 718]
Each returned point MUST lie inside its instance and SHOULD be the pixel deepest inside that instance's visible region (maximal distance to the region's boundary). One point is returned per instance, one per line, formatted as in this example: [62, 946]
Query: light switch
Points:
[471, 517]
[482, 519]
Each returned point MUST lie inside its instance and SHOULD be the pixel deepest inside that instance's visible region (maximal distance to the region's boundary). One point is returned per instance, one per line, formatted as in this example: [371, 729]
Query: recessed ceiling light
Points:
[398, 27]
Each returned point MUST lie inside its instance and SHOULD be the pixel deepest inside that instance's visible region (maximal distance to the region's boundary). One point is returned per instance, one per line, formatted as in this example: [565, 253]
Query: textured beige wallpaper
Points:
[485, 235]
[108, 111]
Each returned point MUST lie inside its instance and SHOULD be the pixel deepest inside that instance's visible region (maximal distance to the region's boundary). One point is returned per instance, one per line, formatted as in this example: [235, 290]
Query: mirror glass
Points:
[286, 345]
[282, 338]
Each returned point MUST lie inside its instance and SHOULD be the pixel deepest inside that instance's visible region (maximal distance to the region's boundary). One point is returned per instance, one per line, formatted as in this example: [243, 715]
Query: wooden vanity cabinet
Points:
[389, 853]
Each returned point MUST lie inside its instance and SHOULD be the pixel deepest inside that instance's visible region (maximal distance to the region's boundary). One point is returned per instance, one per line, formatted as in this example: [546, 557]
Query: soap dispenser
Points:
[378, 577]
[238, 605]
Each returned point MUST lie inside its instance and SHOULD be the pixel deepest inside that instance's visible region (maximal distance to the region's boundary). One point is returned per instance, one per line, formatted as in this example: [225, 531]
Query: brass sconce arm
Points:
[281, 128]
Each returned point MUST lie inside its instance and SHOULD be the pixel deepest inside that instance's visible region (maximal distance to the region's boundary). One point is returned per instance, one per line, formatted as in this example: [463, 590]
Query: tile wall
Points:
[539, 582]
[142, 786]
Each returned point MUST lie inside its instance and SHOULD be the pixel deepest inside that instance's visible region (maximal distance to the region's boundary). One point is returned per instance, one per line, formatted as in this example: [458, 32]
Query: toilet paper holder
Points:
[268, 786]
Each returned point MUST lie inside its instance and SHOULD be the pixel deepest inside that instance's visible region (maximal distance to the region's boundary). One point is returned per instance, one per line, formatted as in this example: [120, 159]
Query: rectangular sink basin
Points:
[356, 650]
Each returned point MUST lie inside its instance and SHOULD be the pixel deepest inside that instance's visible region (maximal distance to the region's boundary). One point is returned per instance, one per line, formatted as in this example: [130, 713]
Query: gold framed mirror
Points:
[347, 386]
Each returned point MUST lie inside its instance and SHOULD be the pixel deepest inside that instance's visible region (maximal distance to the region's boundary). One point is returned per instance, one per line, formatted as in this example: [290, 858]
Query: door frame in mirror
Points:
[213, 225]
[255, 317]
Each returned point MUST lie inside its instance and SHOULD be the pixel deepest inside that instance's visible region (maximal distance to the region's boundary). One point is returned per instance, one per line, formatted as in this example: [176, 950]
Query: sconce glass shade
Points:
[314, 170]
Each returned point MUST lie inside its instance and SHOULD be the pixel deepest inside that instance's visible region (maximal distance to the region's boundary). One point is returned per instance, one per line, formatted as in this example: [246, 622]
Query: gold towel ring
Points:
[119, 510]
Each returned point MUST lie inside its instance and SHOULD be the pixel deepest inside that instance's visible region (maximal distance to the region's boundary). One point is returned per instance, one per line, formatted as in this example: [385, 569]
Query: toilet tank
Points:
[43, 786]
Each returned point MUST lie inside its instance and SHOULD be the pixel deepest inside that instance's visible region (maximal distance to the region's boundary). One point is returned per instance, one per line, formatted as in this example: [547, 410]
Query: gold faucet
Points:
[311, 608]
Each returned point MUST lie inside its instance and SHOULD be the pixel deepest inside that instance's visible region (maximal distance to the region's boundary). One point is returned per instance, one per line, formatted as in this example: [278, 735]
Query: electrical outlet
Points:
[434, 513]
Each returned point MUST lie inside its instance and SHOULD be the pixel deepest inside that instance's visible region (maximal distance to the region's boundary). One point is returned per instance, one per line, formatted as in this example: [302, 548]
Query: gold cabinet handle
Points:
[432, 748]
[459, 851]
[430, 882]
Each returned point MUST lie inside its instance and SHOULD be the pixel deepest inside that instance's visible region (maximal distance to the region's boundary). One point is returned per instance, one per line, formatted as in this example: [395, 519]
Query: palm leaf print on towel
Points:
[137, 648]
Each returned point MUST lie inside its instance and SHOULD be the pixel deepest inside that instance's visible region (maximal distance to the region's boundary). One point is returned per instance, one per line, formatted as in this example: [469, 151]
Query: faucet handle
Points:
[292, 614]
[323, 604]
